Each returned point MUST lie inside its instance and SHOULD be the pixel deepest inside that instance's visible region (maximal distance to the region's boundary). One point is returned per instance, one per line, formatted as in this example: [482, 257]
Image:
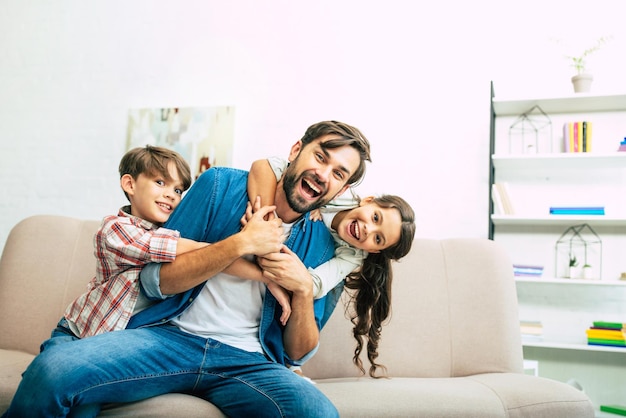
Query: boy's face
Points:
[316, 175]
[154, 198]
[370, 227]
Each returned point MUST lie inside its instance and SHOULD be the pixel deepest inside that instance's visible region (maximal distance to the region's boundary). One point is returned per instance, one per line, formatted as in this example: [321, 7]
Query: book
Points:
[574, 137]
[503, 191]
[609, 325]
[584, 136]
[566, 145]
[615, 409]
[527, 271]
[588, 131]
[498, 208]
[605, 334]
[576, 210]
[531, 328]
[579, 136]
[609, 343]
[571, 136]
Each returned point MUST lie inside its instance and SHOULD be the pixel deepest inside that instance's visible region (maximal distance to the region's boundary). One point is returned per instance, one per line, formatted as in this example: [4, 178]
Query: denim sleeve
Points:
[150, 281]
[304, 359]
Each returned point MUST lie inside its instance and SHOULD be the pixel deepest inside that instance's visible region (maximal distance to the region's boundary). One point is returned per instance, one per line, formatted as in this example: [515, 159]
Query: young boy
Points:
[153, 180]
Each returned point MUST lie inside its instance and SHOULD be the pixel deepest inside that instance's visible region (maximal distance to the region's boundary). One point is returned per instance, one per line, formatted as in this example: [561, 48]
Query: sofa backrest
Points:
[454, 302]
[454, 313]
[46, 263]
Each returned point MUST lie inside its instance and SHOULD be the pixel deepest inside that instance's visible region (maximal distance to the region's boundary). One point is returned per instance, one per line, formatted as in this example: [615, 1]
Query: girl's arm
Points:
[262, 182]
[328, 275]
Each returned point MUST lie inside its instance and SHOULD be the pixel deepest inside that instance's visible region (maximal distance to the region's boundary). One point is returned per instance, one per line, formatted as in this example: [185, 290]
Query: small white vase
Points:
[582, 83]
[588, 273]
[574, 273]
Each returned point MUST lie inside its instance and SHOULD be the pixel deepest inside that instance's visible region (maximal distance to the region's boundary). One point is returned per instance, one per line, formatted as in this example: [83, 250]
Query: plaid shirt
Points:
[123, 245]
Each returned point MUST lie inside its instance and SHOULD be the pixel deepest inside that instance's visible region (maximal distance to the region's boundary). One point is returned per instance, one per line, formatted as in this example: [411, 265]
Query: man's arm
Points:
[301, 334]
[258, 237]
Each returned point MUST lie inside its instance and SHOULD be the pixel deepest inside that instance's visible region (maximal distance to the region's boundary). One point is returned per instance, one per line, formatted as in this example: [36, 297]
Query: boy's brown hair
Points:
[151, 161]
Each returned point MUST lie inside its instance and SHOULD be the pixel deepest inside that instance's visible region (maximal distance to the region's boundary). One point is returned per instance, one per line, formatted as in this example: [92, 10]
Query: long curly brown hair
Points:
[370, 298]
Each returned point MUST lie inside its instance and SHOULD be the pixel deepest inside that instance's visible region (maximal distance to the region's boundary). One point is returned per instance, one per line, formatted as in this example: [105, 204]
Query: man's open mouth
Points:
[310, 188]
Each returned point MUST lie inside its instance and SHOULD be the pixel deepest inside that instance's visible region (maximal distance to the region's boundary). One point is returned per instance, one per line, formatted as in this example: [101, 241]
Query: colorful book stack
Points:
[577, 136]
[531, 330]
[527, 271]
[607, 333]
[576, 210]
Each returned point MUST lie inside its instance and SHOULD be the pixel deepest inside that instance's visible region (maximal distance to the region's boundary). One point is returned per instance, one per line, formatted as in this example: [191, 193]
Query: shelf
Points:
[560, 161]
[572, 346]
[593, 220]
[566, 104]
[555, 280]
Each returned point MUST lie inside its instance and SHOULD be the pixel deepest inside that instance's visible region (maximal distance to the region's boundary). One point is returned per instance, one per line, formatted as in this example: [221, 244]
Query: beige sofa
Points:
[452, 346]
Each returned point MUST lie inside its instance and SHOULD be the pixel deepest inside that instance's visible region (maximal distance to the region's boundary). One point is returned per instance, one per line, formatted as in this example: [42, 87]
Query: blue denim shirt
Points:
[210, 212]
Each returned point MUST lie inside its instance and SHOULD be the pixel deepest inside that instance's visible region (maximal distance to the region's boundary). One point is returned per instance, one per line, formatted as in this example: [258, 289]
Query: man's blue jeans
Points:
[129, 365]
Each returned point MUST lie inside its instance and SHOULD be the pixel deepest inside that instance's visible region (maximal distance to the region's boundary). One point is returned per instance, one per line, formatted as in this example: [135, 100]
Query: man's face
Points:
[316, 175]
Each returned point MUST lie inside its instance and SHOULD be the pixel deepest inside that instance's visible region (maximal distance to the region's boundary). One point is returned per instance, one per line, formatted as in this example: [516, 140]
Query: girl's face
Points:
[154, 198]
[369, 226]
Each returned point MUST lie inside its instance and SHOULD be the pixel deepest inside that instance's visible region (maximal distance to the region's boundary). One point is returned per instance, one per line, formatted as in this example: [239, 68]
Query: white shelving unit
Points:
[566, 307]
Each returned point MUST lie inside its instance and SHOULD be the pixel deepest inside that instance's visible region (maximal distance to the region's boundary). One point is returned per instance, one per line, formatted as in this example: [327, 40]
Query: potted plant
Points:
[582, 80]
[573, 267]
[587, 271]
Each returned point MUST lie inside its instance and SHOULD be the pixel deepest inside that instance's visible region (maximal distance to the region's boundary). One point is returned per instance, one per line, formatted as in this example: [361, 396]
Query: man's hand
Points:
[300, 335]
[285, 269]
[261, 237]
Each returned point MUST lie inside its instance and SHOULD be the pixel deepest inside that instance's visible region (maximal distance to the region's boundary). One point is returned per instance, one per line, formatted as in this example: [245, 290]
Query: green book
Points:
[599, 341]
[612, 325]
[615, 409]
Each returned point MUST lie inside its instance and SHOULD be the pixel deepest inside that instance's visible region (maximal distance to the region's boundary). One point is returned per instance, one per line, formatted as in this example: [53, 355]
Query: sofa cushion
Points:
[500, 395]
[164, 406]
[12, 365]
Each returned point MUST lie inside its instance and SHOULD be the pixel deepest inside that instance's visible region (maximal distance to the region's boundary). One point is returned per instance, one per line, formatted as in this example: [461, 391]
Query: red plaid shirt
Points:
[123, 245]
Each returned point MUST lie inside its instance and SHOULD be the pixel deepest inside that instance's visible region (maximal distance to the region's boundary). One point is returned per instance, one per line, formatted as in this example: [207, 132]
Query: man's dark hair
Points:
[348, 135]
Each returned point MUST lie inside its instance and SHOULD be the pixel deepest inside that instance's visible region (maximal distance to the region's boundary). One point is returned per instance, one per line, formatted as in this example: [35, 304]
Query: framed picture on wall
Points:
[202, 135]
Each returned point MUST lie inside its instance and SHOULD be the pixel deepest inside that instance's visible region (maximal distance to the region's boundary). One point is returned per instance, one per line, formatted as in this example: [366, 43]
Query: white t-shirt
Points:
[228, 309]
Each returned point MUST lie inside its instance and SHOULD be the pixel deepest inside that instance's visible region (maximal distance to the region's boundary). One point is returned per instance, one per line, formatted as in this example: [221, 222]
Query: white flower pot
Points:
[582, 83]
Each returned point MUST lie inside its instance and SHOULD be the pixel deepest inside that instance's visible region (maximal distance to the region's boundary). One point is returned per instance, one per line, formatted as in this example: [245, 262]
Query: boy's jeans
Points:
[129, 365]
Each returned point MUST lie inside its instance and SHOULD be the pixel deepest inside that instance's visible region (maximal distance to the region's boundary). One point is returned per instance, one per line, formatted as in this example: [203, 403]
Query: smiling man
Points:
[213, 335]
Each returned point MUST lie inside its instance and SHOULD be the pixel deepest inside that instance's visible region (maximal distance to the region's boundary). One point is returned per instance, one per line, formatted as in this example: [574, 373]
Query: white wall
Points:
[414, 76]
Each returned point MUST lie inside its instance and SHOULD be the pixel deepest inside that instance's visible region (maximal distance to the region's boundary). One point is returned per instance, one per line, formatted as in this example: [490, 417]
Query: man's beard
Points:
[297, 202]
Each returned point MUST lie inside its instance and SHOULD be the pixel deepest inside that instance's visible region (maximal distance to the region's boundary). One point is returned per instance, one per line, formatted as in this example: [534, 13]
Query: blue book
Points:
[573, 210]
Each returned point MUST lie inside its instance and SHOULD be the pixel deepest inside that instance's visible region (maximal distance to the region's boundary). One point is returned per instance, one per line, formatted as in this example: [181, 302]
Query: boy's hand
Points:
[315, 215]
